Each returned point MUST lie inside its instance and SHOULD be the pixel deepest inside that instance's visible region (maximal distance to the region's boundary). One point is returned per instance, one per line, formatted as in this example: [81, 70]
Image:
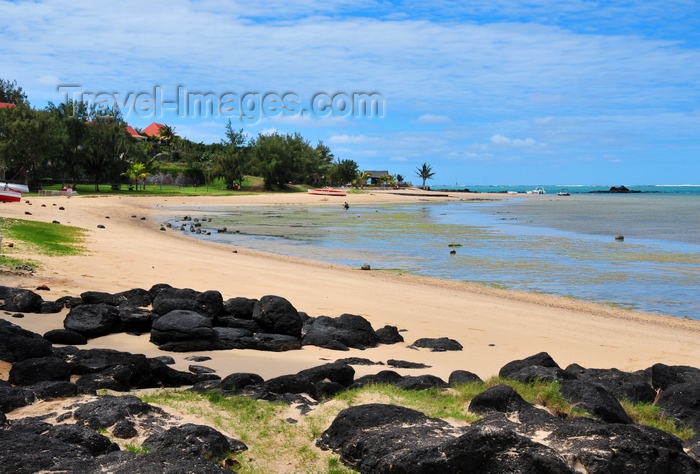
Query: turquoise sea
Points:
[560, 245]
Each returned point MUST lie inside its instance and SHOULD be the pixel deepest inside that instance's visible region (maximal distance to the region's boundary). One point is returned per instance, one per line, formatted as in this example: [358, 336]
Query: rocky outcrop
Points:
[342, 333]
[18, 344]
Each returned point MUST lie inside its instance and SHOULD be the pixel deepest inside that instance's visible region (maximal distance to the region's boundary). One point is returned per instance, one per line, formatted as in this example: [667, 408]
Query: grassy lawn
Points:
[252, 184]
[40, 238]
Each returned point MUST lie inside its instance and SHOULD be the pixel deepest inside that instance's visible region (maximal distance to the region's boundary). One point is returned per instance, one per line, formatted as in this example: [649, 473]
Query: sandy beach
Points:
[494, 326]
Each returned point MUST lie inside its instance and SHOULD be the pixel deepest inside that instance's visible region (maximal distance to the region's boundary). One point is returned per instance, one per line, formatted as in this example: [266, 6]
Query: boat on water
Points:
[327, 192]
[22, 188]
[8, 195]
[563, 192]
[537, 190]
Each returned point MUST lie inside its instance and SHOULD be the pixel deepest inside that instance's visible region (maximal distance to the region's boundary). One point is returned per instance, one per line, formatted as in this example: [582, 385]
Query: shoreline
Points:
[495, 326]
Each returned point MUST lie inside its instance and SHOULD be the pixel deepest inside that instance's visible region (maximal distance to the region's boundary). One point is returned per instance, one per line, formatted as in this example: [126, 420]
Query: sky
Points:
[539, 92]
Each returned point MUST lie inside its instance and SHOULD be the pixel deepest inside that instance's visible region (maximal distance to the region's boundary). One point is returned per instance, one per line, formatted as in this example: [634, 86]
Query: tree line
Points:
[73, 143]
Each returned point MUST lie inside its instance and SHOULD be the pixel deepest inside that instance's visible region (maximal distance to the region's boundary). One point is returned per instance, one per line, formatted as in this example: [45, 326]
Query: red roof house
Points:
[153, 130]
[134, 133]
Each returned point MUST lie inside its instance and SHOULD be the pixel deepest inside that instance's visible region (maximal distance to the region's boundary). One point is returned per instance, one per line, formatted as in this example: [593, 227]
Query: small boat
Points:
[537, 190]
[7, 195]
[22, 188]
[563, 192]
[327, 192]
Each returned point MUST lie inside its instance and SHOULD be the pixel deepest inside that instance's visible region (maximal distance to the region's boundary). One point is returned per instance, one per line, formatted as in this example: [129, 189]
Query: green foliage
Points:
[137, 449]
[45, 238]
[650, 415]
[425, 172]
[11, 93]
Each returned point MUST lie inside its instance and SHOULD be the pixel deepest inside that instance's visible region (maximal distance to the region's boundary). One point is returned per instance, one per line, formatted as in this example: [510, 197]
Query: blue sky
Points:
[486, 91]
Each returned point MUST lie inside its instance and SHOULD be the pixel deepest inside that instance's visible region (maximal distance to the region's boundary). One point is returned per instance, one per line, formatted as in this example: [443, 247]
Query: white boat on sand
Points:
[22, 188]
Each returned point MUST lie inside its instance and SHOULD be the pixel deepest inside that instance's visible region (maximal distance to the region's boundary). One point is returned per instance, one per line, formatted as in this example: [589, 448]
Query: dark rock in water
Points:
[94, 442]
[18, 315]
[403, 364]
[278, 316]
[365, 266]
[388, 335]
[681, 402]
[92, 320]
[20, 300]
[541, 359]
[619, 238]
[595, 400]
[461, 377]
[66, 336]
[19, 344]
[349, 330]
[30, 371]
[440, 344]
[198, 440]
[12, 398]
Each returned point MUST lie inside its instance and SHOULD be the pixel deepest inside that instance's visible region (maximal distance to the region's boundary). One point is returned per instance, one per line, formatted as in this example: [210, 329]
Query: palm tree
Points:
[167, 134]
[425, 172]
[137, 172]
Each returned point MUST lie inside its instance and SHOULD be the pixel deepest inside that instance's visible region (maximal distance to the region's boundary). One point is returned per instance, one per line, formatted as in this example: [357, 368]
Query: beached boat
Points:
[22, 188]
[563, 192]
[327, 192]
[537, 190]
[7, 195]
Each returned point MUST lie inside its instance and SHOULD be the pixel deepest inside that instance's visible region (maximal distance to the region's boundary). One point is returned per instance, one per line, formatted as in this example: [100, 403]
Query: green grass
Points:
[43, 238]
[650, 415]
[276, 444]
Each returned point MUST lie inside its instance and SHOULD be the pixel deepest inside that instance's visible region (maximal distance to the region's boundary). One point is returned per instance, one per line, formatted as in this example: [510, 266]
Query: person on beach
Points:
[346, 206]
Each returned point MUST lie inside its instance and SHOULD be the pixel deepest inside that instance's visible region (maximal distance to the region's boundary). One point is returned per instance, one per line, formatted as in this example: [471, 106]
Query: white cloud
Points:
[432, 118]
[514, 142]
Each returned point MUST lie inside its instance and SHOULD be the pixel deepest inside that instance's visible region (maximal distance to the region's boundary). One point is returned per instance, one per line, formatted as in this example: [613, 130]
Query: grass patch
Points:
[278, 445]
[43, 238]
[650, 415]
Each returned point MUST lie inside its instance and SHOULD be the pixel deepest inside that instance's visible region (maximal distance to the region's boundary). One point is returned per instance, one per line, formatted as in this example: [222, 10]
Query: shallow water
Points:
[562, 246]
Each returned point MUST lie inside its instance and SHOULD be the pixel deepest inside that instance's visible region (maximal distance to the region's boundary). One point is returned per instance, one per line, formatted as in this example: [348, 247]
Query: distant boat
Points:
[537, 190]
[22, 188]
[8, 195]
[327, 192]
[563, 192]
